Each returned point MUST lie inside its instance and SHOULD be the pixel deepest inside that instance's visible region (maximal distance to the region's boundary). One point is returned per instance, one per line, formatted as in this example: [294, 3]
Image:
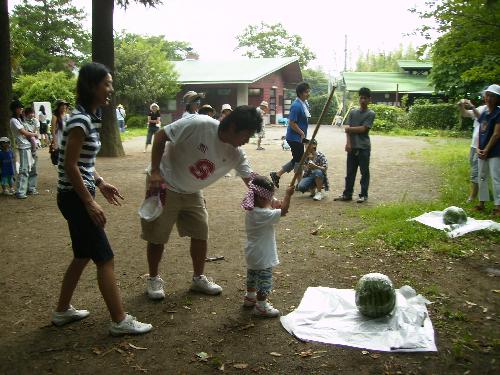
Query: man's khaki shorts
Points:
[188, 211]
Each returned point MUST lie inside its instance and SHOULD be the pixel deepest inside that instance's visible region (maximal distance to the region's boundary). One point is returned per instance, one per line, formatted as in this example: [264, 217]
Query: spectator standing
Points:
[120, 117]
[225, 111]
[154, 123]
[358, 147]
[6, 166]
[57, 123]
[298, 122]
[76, 188]
[26, 178]
[489, 149]
[207, 109]
[262, 109]
[44, 126]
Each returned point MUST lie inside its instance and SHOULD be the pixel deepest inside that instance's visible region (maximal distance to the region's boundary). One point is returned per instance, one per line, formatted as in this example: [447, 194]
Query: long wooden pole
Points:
[320, 120]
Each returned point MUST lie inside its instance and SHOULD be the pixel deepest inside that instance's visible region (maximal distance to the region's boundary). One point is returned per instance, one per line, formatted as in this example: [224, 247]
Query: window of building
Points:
[171, 105]
[254, 92]
[224, 92]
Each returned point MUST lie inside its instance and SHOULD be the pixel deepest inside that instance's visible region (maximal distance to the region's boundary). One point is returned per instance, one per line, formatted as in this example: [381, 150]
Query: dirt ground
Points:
[36, 249]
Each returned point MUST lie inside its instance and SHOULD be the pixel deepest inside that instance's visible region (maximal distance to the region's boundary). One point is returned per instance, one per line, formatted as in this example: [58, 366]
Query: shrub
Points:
[316, 104]
[136, 121]
[45, 87]
[433, 116]
[388, 117]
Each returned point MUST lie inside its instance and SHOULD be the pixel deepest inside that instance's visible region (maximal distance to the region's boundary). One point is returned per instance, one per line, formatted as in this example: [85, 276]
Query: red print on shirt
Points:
[202, 169]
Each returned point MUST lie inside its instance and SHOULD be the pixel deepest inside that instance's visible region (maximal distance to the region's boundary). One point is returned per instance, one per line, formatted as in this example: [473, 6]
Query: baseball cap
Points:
[494, 89]
[4, 140]
[264, 104]
[191, 96]
[151, 208]
[207, 106]
[226, 106]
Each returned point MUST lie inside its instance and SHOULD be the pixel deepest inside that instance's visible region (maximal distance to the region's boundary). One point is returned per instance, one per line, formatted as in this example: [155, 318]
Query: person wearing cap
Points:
[120, 117]
[6, 166]
[467, 109]
[488, 150]
[27, 177]
[192, 102]
[154, 123]
[199, 152]
[314, 178]
[262, 109]
[207, 109]
[57, 123]
[225, 110]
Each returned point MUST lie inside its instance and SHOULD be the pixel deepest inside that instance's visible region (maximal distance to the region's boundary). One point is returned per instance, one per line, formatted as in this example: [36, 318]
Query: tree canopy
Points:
[142, 73]
[47, 35]
[45, 86]
[465, 56]
[385, 61]
[266, 40]
[317, 79]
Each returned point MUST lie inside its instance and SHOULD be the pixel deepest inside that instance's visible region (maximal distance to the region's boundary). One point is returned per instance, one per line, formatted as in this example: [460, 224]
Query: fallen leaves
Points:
[276, 354]
[240, 365]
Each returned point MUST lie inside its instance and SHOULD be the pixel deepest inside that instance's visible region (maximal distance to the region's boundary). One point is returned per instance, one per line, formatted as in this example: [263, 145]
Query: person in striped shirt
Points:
[77, 183]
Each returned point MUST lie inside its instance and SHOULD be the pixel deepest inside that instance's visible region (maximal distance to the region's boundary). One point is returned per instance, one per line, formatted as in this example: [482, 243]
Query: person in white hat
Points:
[262, 109]
[120, 117]
[207, 109]
[192, 103]
[200, 151]
[154, 123]
[488, 150]
[224, 111]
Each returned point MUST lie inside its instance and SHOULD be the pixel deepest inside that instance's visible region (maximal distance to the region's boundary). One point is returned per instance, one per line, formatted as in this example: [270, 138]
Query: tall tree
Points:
[5, 70]
[466, 53]
[317, 79]
[142, 73]
[385, 61]
[103, 51]
[272, 41]
[48, 35]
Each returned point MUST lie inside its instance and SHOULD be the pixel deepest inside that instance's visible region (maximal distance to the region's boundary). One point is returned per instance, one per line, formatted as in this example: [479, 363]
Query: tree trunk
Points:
[5, 70]
[103, 51]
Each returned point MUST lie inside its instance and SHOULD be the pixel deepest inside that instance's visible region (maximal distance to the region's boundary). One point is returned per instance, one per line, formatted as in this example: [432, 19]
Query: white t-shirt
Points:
[260, 249]
[22, 142]
[195, 157]
[475, 130]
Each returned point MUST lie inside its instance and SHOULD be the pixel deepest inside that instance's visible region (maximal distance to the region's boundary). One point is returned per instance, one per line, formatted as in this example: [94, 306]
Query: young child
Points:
[7, 166]
[32, 125]
[260, 250]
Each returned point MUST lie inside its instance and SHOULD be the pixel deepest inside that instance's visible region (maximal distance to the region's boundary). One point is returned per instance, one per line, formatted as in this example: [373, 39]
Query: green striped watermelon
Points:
[375, 295]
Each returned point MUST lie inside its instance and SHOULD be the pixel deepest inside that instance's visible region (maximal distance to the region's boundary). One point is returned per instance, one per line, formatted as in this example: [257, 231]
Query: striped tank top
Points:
[90, 124]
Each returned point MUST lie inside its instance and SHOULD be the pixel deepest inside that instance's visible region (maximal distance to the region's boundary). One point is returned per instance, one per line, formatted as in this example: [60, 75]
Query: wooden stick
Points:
[323, 112]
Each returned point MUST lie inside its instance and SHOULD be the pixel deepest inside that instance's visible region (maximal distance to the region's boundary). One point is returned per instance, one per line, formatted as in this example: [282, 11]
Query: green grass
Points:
[134, 132]
[388, 224]
[431, 133]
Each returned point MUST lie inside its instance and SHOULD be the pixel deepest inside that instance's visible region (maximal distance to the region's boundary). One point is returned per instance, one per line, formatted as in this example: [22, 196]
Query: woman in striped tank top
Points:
[77, 184]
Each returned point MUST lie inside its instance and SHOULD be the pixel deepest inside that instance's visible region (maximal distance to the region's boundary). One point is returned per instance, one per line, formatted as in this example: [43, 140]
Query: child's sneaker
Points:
[154, 287]
[204, 285]
[265, 310]
[129, 326]
[249, 301]
[68, 316]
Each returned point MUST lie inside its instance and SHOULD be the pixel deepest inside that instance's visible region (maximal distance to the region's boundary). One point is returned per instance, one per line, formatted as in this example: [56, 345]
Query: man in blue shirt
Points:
[296, 131]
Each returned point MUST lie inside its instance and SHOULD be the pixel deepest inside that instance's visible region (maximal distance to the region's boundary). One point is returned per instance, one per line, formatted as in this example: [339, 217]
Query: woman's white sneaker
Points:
[265, 310]
[68, 316]
[205, 285]
[154, 287]
[129, 326]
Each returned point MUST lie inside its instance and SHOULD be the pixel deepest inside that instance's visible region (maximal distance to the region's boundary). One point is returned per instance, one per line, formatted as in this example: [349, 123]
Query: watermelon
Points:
[375, 295]
[454, 215]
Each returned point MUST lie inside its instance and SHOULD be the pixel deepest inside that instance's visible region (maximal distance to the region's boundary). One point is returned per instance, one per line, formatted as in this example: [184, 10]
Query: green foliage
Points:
[47, 35]
[173, 50]
[136, 121]
[466, 54]
[388, 117]
[266, 40]
[433, 116]
[384, 61]
[316, 104]
[45, 87]
[317, 79]
[143, 75]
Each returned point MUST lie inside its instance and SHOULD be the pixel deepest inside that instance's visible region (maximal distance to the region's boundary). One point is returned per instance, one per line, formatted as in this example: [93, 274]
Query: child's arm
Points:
[285, 204]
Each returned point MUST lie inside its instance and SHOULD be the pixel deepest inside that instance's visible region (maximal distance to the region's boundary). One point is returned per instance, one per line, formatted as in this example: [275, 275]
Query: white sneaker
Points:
[129, 326]
[204, 285]
[155, 287]
[265, 310]
[68, 316]
[318, 196]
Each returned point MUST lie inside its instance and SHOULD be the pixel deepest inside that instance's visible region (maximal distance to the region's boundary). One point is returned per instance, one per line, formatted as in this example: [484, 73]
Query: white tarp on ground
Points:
[330, 315]
[434, 219]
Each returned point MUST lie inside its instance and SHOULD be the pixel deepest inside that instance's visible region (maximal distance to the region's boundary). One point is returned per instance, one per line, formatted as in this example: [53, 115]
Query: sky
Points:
[211, 26]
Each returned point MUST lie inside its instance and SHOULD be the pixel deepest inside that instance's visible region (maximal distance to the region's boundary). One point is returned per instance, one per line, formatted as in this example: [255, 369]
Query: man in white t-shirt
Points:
[189, 155]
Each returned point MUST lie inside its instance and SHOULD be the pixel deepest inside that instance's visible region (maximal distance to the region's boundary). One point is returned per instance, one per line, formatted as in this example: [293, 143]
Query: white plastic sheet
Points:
[434, 219]
[330, 316]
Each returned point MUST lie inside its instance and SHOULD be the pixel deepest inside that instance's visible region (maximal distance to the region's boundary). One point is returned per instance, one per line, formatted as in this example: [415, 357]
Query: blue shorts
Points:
[87, 239]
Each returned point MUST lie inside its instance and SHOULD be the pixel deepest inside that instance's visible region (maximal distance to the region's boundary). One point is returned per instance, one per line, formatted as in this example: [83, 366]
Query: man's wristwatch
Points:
[99, 181]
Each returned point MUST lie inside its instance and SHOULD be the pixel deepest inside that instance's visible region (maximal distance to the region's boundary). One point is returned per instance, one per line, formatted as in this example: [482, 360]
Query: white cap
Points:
[4, 139]
[154, 105]
[226, 106]
[264, 104]
[494, 89]
[151, 208]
